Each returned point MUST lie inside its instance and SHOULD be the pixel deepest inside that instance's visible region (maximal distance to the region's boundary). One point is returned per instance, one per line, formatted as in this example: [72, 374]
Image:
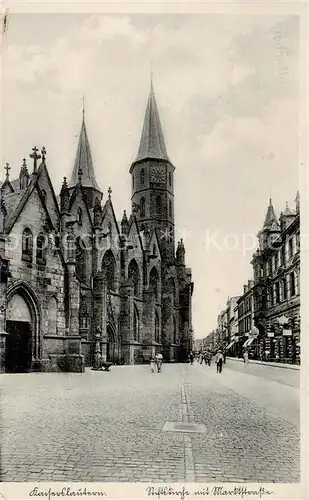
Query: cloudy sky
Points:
[227, 92]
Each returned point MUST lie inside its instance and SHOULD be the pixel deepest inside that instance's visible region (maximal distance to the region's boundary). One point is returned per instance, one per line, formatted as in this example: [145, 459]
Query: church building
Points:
[76, 283]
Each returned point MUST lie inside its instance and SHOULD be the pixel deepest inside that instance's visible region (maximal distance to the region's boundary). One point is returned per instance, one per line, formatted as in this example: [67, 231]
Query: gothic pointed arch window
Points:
[81, 262]
[142, 177]
[170, 208]
[157, 327]
[158, 204]
[41, 247]
[109, 270]
[142, 207]
[136, 328]
[79, 216]
[134, 276]
[172, 290]
[27, 245]
[154, 283]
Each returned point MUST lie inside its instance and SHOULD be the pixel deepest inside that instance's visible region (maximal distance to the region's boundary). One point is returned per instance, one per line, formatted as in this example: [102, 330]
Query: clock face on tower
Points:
[157, 174]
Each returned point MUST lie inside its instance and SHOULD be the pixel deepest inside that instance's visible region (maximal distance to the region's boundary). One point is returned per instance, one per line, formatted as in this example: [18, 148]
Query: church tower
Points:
[83, 171]
[153, 181]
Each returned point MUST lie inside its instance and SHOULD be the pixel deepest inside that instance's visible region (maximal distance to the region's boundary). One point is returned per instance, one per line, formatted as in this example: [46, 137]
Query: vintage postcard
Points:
[153, 250]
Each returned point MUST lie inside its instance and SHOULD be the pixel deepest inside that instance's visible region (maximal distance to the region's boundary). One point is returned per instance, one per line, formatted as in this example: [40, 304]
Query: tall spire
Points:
[83, 161]
[271, 221]
[152, 144]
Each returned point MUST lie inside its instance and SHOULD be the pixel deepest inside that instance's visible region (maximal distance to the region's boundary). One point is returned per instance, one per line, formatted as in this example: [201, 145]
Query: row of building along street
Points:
[264, 318]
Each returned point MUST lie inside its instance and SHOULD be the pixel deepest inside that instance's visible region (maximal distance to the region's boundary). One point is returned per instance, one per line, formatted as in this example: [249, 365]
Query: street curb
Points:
[275, 365]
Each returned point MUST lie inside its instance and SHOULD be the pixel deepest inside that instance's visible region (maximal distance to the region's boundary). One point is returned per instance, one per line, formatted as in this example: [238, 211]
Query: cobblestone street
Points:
[101, 426]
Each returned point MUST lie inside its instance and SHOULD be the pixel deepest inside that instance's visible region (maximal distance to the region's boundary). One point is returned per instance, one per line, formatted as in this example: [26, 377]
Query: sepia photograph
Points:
[150, 252]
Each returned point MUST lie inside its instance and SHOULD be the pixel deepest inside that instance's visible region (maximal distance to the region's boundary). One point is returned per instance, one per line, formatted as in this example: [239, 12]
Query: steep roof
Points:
[152, 143]
[271, 221]
[83, 162]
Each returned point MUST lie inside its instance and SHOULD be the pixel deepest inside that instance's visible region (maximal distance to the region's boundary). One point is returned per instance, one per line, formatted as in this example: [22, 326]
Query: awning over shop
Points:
[248, 342]
[230, 345]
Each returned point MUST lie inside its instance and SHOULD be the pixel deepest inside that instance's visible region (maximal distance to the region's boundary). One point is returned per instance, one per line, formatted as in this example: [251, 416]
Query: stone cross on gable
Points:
[109, 192]
[7, 169]
[35, 158]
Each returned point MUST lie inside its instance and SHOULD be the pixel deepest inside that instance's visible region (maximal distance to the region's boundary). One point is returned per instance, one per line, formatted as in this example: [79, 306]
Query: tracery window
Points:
[41, 247]
[133, 276]
[158, 204]
[27, 244]
[109, 269]
[154, 282]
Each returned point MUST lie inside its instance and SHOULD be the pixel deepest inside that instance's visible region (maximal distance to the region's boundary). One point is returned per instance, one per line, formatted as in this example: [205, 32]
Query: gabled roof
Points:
[108, 206]
[83, 162]
[152, 143]
[134, 225]
[15, 202]
[79, 188]
[271, 221]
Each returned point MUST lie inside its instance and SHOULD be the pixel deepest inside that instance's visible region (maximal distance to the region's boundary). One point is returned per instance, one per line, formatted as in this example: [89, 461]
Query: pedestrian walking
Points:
[246, 357]
[224, 356]
[201, 358]
[152, 365]
[191, 357]
[219, 361]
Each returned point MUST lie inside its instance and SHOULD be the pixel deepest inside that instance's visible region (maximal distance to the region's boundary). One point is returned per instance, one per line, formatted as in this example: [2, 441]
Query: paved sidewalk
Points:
[267, 363]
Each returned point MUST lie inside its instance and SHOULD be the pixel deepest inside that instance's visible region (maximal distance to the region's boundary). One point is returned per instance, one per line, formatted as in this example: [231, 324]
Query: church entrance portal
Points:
[18, 347]
[22, 328]
[110, 347]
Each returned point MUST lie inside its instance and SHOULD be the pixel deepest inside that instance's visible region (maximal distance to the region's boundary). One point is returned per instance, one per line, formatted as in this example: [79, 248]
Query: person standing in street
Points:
[191, 357]
[158, 361]
[224, 356]
[201, 358]
[246, 357]
[219, 361]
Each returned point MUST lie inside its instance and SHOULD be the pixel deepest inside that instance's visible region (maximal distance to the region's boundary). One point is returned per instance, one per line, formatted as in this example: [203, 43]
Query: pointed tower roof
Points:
[271, 221]
[152, 144]
[287, 210]
[83, 166]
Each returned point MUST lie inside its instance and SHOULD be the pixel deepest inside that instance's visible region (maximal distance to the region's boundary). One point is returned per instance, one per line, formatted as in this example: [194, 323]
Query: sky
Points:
[227, 93]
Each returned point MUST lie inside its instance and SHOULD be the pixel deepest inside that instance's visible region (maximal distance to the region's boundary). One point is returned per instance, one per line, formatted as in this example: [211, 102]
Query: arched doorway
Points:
[111, 344]
[19, 343]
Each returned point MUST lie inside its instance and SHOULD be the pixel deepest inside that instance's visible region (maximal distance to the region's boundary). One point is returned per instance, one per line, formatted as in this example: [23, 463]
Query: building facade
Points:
[76, 284]
[276, 266]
